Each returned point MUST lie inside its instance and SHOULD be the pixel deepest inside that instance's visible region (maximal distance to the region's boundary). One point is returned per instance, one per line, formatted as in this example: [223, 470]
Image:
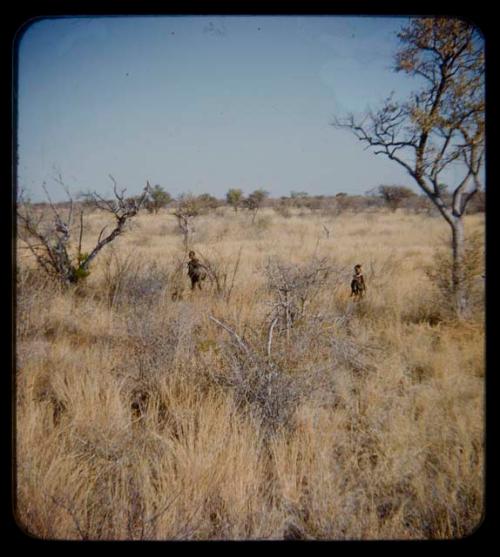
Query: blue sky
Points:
[203, 104]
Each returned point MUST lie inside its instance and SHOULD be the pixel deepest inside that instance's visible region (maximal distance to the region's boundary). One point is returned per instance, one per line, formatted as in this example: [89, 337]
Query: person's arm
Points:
[203, 266]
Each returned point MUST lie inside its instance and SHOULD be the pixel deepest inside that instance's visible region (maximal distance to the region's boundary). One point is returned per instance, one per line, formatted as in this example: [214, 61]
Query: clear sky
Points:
[203, 104]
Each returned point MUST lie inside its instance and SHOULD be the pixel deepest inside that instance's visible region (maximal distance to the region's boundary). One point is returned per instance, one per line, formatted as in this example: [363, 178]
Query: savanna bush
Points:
[440, 273]
[128, 280]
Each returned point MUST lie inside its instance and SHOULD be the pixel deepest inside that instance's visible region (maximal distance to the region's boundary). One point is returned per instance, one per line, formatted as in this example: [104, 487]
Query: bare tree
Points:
[187, 209]
[50, 240]
[441, 124]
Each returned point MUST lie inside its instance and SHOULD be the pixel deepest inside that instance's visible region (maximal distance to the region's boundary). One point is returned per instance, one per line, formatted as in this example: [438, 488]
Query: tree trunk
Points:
[288, 322]
[458, 250]
[458, 270]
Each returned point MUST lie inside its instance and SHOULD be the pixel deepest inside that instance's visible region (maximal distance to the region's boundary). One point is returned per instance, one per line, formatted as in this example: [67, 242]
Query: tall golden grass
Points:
[139, 417]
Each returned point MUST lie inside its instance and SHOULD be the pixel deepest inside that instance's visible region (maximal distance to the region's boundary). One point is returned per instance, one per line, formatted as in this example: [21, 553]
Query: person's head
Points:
[191, 255]
[357, 268]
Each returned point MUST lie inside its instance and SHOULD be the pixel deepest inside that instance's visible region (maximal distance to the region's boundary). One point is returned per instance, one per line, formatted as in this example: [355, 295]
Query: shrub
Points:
[293, 287]
[157, 199]
[394, 196]
[440, 273]
[234, 197]
[258, 385]
[130, 281]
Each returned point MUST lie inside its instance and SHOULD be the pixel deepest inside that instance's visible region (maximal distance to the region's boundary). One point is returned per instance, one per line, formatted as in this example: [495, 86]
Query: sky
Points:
[201, 104]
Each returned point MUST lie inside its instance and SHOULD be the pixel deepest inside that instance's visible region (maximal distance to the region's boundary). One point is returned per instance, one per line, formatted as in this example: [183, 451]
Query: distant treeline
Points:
[391, 197]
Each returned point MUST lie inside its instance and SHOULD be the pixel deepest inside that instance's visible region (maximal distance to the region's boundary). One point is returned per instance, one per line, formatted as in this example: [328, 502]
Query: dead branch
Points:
[270, 336]
[240, 342]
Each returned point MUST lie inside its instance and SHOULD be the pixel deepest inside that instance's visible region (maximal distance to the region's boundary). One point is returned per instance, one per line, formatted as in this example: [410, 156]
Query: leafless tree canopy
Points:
[50, 237]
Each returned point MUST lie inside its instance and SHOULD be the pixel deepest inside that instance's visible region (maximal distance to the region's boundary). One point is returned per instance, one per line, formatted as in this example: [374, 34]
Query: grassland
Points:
[140, 417]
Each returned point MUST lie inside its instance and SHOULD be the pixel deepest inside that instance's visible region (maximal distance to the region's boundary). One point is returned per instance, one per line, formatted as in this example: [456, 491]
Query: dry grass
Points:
[139, 417]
